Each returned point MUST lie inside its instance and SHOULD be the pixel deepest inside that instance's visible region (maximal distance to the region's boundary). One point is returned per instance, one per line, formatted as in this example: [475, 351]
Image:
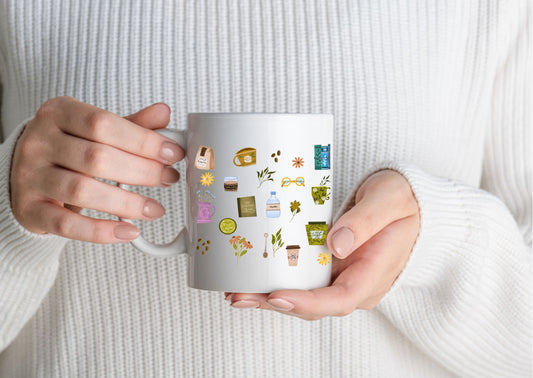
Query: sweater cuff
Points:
[21, 251]
[444, 219]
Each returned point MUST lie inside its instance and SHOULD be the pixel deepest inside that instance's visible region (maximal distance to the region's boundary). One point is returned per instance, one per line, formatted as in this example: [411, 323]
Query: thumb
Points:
[368, 217]
[156, 116]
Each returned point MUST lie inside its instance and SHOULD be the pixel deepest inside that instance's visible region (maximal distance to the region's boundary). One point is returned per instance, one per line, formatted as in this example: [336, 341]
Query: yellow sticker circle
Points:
[227, 226]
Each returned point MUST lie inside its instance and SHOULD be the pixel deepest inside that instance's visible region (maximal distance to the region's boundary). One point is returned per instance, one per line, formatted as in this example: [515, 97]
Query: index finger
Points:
[102, 126]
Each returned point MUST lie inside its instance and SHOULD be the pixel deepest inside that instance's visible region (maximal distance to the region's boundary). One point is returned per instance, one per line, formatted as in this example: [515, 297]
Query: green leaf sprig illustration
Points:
[324, 181]
[264, 176]
[277, 243]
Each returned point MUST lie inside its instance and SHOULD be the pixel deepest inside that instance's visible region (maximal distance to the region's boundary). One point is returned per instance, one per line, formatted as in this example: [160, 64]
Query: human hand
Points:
[66, 146]
[371, 244]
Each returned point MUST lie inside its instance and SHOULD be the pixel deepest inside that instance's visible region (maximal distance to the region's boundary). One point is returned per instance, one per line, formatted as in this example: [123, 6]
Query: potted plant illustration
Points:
[321, 192]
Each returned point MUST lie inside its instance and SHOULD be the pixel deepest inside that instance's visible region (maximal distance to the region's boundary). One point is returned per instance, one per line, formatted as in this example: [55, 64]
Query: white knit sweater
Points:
[436, 90]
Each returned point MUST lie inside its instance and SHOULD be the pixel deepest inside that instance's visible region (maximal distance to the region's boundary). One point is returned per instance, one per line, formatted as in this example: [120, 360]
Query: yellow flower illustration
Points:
[207, 179]
[324, 258]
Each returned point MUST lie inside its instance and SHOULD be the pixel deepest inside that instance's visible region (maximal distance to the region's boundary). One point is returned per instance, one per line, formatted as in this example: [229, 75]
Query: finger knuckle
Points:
[95, 159]
[97, 124]
[62, 225]
[346, 311]
[78, 192]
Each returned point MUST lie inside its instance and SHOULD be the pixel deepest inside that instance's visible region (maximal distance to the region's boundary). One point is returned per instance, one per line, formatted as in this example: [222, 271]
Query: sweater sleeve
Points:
[28, 261]
[464, 297]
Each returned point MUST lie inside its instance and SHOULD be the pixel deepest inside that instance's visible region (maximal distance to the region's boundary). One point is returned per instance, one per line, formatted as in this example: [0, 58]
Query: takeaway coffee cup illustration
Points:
[256, 220]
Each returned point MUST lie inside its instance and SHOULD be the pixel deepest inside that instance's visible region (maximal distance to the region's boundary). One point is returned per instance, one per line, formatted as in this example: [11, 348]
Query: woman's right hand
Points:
[66, 146]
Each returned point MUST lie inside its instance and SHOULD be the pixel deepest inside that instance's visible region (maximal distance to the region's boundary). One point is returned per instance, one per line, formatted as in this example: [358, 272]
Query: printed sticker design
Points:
[207, 179]
[295, 208]
[320, 193]
[246, 206]
[324, 258]
[244, 157]
[241, 246]
[298, 162]
[204, 247]
[265, 254]
[286, 181]
[322, 157]
[275, 155]
[316, 232]
[206, 209]
[277, 243]
[293, 252]
[227, 226]
[273, 209]
[231, 183]
[205, 158]
[264, 176]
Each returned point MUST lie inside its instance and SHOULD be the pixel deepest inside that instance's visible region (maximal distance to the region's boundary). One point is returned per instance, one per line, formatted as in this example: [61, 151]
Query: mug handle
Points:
[236, 157]
[212, 208]
[178, 245]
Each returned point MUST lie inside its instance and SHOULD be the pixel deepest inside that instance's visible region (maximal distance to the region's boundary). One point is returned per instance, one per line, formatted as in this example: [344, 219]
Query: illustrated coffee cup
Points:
[252, 223]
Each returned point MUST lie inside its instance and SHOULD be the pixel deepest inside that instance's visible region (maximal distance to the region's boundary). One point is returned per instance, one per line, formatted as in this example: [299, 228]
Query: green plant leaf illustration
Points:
[244, 252]
[273, 239]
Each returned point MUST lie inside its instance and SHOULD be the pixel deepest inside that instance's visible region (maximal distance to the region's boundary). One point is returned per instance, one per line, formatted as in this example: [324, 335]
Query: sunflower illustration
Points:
[298, 162]
[207, 179]
[324, 258]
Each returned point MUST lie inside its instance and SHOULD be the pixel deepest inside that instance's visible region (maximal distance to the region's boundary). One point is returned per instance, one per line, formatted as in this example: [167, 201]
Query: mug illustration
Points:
[322, 157]
[293, 252]
[273, 209]
[231, 183]
[206, 210]
[320, 193]
[316, 232]
[244, 157]
[205, 158]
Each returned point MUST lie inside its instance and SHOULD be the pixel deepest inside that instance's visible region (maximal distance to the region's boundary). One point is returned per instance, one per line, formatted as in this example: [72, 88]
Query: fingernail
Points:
[342, 242]
[169, 176]
[280, 304]
[170, 152]
[126, 232]
[228, 296]
[153, 209]
[244, 303]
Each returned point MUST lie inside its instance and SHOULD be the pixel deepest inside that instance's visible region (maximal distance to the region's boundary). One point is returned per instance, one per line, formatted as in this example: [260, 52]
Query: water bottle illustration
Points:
[273, 206]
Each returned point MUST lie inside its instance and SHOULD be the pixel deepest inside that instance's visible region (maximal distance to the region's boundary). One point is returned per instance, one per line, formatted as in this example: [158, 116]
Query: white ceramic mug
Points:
[259, 201]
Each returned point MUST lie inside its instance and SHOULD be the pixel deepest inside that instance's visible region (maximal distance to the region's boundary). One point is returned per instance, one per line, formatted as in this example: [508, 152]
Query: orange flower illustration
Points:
[234, 240]
[298, 162]
[240, 245]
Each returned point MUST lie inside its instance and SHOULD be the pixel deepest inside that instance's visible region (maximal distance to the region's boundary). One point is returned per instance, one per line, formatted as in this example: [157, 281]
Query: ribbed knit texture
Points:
[437, 91]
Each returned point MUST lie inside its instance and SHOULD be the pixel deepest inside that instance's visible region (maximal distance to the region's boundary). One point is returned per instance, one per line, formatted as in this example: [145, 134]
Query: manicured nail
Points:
[342, 242]
[153, 209]
[170, 152]
[126, 232]
[228, 297]
[244, 303]
[280, 304]
[169, 176]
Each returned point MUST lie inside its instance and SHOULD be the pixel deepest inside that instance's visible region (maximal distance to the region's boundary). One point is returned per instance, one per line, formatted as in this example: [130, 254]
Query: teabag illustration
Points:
[205, 158]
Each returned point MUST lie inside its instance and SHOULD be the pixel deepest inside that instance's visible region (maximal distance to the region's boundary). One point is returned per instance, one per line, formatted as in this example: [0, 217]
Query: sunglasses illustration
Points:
[287, 181]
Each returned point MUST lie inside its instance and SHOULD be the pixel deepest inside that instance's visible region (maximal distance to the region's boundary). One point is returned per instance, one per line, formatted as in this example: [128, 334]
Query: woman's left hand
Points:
[371, 242]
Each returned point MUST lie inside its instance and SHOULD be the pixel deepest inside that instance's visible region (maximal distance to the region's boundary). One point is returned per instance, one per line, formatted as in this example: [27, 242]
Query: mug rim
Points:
[250, 114]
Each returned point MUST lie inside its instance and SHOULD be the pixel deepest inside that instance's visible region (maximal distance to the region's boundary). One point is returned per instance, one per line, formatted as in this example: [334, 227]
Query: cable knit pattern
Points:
[437, 91]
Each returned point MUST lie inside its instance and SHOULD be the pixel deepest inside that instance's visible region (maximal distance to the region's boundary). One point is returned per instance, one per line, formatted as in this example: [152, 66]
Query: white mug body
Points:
[259, 201]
